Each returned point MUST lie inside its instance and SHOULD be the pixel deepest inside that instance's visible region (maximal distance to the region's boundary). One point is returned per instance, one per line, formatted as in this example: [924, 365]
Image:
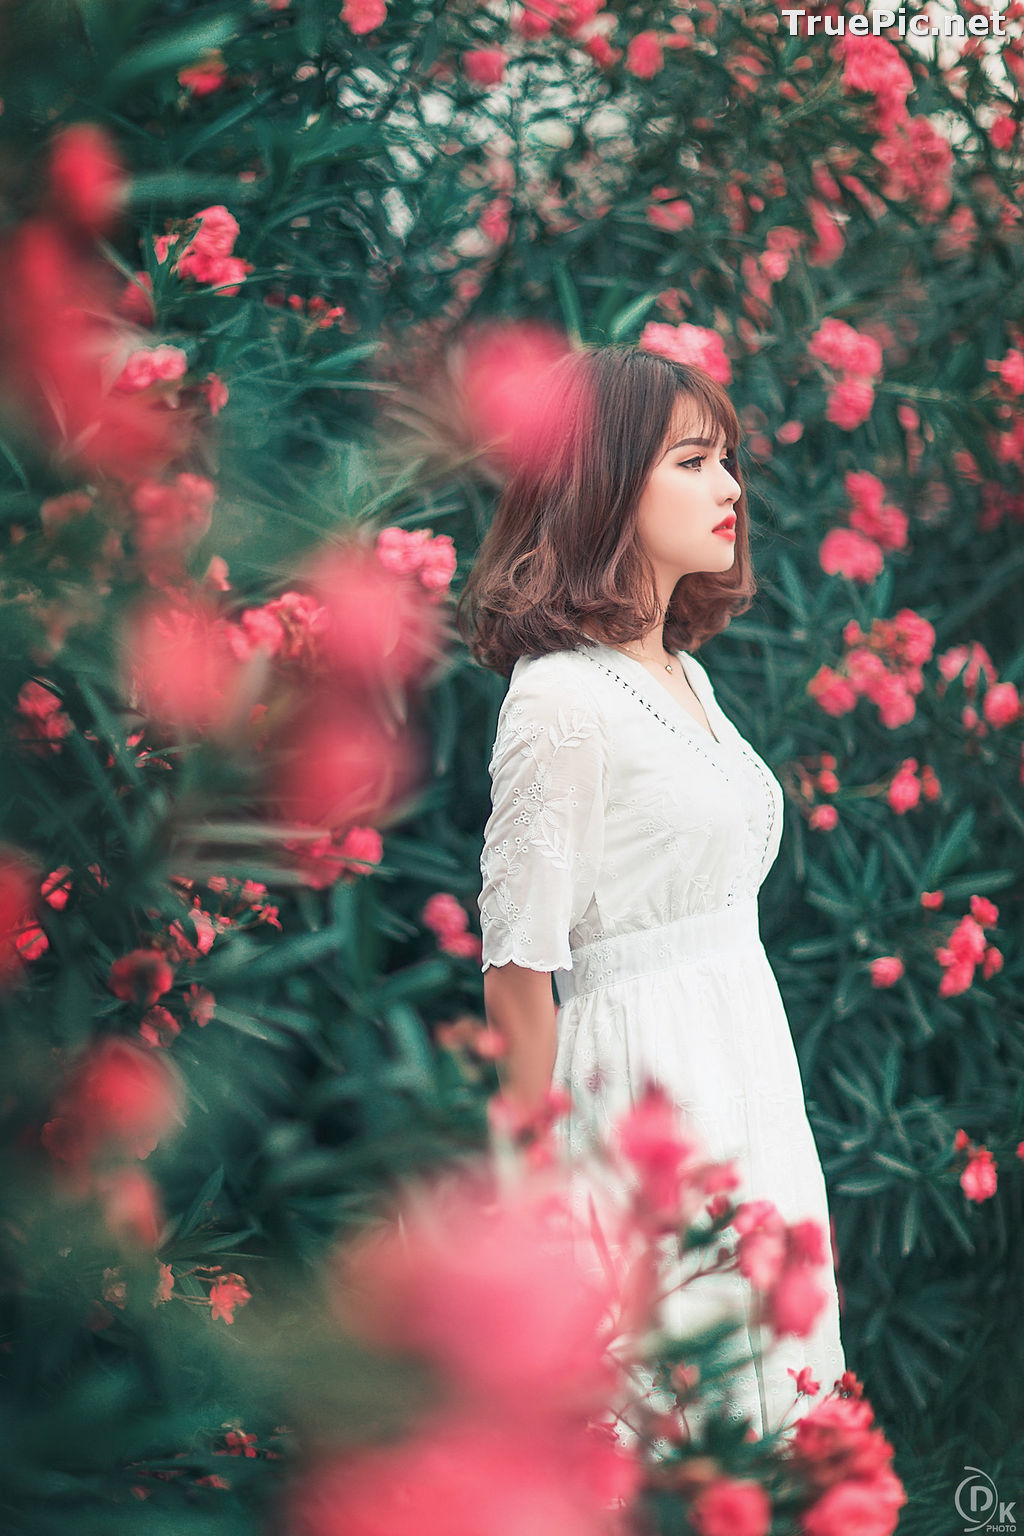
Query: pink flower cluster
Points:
[875, 65]
[885, 666]
[674, 1178]
[967, 948]
[43, 724]
[846, 1461]
[761, 273]
[811, 779]
[204, 254]
[362, 16]
[917, 165]
[778, 1260]
[858, 552]
[333, 856]
[446, 917]
[484, 66]
[978, 1178]
[668, 211]
[906, 788]
[430, 558]
[693, 345]
[487, 1287]
[857, 359]
[1001, 703]
[149, 366]
[168, 517]
[536, 18]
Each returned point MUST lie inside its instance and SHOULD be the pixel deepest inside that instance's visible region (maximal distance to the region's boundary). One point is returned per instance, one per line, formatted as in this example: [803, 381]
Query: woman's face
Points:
[689, 493]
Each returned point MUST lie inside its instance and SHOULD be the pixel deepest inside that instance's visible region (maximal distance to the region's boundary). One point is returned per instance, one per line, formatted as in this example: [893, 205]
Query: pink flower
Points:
[846, 350]
[464, 1474]
[824, 818]
[671, 1189]
[875, 65]
[205, 77]
[119, 1097]
[151, 365]
[215, 392]
[535, 18]
[856, 1508]
[56, 888]
[164, 1285]
[227, 1293]
[671, 216]
[971, 661]
[956, 978]
[795, 1302]
[978, 1180]
[43, 723]
[159, 1027]
[886, 525]
[829, 239]
[484, 66]
[141, 976]
[169, 516]
[178, 666]
[905, 789]
[492, 1292]
[201, 1004]
[984, 912]
[87, 179]
[967, 941]
[832, 692]
[849, 554]
[644, 57]
[806, 1385]
[932, 900]
[130, 1202]
[886, 970]
[694, 345]
[445, 915]
[362, 16]
[761, 1251]
[1001, 705]
[849, 403]
[731, 1507]
[378, 627]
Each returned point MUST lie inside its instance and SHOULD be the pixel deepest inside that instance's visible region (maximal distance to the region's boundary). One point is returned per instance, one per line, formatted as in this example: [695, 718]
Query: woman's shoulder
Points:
[556, 681]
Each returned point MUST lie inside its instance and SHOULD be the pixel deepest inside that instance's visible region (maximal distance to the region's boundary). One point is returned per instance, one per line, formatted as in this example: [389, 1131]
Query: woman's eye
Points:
[689, 463]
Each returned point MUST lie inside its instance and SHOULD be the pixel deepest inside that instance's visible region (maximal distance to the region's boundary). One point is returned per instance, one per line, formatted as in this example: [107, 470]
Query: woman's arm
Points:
[519, 1004]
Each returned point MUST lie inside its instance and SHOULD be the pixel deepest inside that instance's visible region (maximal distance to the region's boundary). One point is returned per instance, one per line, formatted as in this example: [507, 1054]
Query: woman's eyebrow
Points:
[699, 442]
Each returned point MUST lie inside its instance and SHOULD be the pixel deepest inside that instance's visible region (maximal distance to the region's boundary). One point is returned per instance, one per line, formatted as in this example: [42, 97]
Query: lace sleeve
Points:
[544, 838]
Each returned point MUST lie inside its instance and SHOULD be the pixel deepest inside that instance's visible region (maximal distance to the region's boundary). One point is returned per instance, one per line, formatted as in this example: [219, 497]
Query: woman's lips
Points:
[726, 528]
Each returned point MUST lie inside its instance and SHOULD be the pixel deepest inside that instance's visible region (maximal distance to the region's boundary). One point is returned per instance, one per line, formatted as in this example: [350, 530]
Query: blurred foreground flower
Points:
[57, 335]
[508, 405]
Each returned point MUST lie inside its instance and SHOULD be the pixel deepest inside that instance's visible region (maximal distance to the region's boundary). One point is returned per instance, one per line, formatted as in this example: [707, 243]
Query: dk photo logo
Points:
[978, 1504]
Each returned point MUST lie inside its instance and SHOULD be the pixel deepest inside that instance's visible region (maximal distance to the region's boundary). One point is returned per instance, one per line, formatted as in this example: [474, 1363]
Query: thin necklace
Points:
[667, 664]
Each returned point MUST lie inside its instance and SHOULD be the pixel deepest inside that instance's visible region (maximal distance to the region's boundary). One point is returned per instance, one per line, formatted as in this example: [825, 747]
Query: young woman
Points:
[632, 825]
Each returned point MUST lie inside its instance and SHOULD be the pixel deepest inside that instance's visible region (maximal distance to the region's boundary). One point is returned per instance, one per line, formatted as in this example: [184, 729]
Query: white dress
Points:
[624, 852]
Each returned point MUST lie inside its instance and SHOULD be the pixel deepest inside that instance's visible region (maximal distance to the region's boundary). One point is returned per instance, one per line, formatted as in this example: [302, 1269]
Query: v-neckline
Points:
[692, 723]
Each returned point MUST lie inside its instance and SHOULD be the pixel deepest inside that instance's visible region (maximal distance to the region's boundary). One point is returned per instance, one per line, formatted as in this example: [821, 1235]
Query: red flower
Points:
[731, 1507]
[644, 56]
[463, 1475]
[978, 1180]
[381, 627]
[484, 66]
[341, 768]
[132, 1212]
[87, 179]
[17, 895]
[227, 1293]
[179, 666]
[493, 1292]
[141, 976]
[57, 329]
[120, 1098]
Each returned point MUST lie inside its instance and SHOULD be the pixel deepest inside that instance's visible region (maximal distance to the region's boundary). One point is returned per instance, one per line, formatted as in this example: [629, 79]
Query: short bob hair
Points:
[562, 549]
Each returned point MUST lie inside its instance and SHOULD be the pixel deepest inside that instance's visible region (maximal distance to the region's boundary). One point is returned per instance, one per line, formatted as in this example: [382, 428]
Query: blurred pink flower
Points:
[362, 16]
[691, 344]
[484, 66]
[731, 1507]
[886, 970]
[848, 553]
[644, 57]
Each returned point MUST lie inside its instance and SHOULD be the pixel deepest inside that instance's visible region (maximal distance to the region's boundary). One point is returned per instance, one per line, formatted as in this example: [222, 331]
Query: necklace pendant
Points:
[668, 666]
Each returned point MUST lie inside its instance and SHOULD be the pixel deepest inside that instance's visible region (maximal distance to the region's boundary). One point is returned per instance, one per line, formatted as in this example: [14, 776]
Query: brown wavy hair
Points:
[562, 549]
